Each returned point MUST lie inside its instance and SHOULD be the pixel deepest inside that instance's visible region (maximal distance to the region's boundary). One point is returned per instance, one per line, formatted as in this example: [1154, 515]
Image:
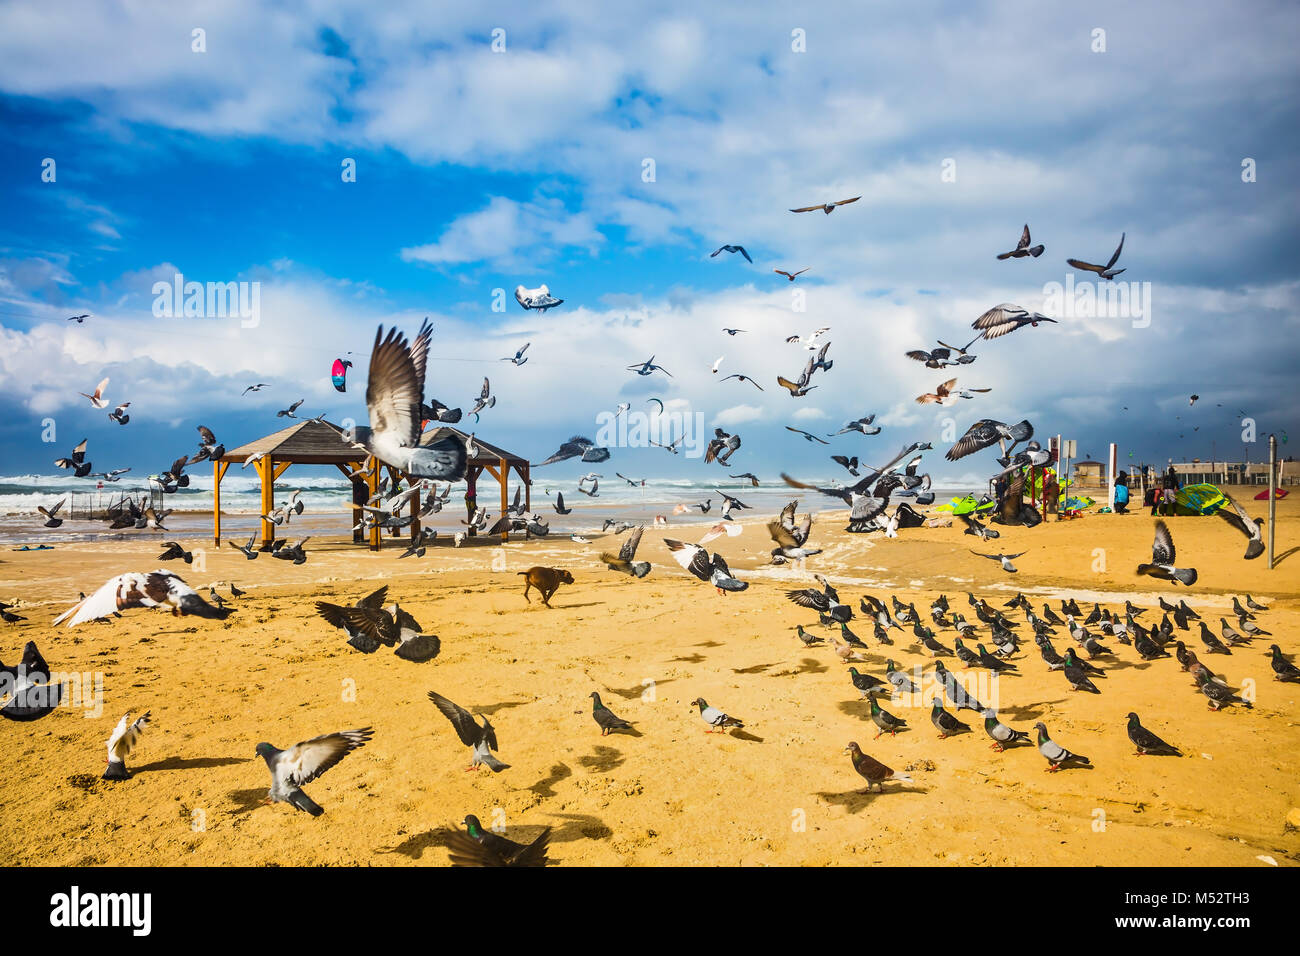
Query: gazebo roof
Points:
[489, 454]
[313, 442]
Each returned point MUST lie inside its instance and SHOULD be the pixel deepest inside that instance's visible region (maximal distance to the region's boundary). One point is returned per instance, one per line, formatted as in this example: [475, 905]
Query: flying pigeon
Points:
[120, 744]
[740, 249]
[577, 447]
[481, 739]
[649, 367]
[304, 762]
[136, 589]
[97, 399]
[394, 396]
[1004, 318]
[1003, 559]
[790, 275]
[518, 358]
[1023, 248]
[479, 847]
[539, 298]
[696, 560]
[77, 461]
[31, 694]
[826, 207]
[623, 560]
[1108, 271]
[1163, 557]
[945, 722]
[1236, 516]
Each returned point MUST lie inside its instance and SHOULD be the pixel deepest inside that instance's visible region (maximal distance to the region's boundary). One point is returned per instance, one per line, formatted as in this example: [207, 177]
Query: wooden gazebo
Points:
[317, 442]
[497, 462]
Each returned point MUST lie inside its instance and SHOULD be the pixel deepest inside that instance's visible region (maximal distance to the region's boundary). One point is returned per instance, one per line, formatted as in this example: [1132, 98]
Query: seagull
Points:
[519, 358]
[696, 560]
[120, 744]
[539, 298]
[1250, 527]
[484, 401]
[79, 319]
[1163, 556]
[808, 436]
[481, 739]
[648, 367]
[304, 762]
[1005, 318]
[1023, 248]
[135, 589]
[790, 275]
[862, 425]
[826, 207]
[97, 399]
[1003, 559]
[740, 249]
[733, 331]
[1108, 271]
[742, 378]
[938, 395]
[577, 447]
[254, 388]
[289, 412]
[394, 396]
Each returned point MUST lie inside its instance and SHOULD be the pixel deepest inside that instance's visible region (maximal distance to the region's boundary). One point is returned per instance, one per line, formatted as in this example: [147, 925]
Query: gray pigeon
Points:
[1000, 733]
[481, 740]
[302, 763]
[715, 718]
[1056, 754]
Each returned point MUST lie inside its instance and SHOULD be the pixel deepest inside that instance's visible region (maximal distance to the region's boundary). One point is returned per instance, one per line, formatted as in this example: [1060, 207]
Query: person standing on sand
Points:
[471, 503]
[1121, 494]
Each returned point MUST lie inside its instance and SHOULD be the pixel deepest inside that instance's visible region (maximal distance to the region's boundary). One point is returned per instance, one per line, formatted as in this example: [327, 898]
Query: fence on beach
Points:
[96, 505]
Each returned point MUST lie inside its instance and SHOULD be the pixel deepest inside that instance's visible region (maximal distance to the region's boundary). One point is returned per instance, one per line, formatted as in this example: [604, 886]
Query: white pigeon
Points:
[120, 744]
[539, 298]
[137, 589]
[98, 399]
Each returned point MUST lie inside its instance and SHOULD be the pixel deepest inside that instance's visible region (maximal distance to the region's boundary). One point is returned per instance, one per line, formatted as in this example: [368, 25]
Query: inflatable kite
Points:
[339, 374]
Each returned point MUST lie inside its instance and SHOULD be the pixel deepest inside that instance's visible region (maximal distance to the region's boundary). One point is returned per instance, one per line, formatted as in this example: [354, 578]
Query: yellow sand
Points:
[780, 792]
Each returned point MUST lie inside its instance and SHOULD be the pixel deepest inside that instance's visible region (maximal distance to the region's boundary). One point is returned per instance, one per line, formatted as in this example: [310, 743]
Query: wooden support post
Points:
[266, 471]
[505, 496]
[414, 504]
[528, 487]
[218, 469]
[1272, 495]
[372, 485]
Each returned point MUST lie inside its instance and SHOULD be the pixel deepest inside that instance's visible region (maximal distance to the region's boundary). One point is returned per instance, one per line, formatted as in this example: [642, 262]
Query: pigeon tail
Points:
[116, 770]
[304, 802]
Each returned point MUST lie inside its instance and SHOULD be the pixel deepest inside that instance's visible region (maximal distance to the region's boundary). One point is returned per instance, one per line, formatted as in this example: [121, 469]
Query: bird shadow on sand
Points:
[190, 763]
[809, 665]
[602, 759]
[688, 659]
[636, 690]
[745, 735]
[414, 846]
[566, 607]
[856, 800]
[545, 787]
[753, 669]
[624, 732]
[1028, 711]
[1121, 665]
[246, 801]
[580, 826]
[491, 709]
[709, 644]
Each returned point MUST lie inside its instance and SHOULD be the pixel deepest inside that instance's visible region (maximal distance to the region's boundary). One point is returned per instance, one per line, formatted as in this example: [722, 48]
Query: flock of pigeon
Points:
[398, 413]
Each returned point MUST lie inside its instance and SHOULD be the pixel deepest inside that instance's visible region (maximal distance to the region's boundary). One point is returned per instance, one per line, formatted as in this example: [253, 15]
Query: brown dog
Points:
[546, 580]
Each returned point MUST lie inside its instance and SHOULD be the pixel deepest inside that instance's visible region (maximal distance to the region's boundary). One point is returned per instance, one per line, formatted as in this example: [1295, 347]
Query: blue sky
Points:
[479, 170]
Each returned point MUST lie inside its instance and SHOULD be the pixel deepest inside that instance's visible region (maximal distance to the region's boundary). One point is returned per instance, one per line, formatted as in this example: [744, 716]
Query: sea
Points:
[327, 504]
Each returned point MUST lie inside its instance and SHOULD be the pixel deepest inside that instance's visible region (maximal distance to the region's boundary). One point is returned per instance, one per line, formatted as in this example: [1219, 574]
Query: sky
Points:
[607, 156]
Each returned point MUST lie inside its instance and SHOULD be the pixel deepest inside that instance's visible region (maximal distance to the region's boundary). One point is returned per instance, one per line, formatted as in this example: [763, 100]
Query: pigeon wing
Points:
[304, 762]
[394, 391]
[462, 721]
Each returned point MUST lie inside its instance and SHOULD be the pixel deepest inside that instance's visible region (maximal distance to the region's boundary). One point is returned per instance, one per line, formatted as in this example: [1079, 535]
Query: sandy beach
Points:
[779, 792]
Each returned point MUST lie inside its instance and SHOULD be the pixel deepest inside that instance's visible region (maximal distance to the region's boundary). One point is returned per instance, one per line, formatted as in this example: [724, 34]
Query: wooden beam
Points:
[265, 470]
[528, 486]
[372, 484]
[218, 472]
[505, 496]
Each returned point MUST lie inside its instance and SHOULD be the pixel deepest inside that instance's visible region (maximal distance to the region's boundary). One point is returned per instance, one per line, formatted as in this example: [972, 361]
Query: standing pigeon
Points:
[1056, 754]
[120, 744]
[1218, 695]
[481, 740]
[1001, 735]
[479, 847]
[872, 770]
[715, 718]
[1282, 668]
[945, 722]
[304, 762]
[605, 717]
[887, 722]
[1163, 556]
[1146, 742]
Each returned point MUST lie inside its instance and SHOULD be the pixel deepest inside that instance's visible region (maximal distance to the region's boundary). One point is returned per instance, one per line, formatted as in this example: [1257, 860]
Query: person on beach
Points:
[471, 503]
[1121, 494]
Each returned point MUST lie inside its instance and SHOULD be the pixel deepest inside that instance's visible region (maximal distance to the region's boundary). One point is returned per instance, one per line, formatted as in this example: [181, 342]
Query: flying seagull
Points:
[1163, 556]
[1108, 271]
[79, 319]
[394, 396]
[743, 378]
[289, 412]
[740, 249]
[539, 298]
[254, 388]
[1004, 318]
[826, 207]
[1023, 248]
[790, 275]
[304, 762]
